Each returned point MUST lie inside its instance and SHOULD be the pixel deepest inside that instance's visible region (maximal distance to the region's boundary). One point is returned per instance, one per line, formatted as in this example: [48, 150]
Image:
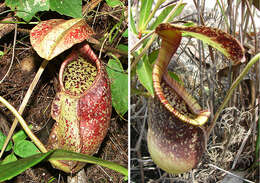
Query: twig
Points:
[12, 60]
[95, 15]
[231, 90]
[143, 51]
[110, 179]
[243, 143]
[24, 102]
[138, 144]
[256, 45]
[28, 131]
[214, 166]
[102, 46]
[24, 125]
[140, 42]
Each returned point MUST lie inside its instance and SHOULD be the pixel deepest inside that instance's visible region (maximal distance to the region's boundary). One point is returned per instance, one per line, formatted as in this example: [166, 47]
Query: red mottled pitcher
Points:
[82, 108]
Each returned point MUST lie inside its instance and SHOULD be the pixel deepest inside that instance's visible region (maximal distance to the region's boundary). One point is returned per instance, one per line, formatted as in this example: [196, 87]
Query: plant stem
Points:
[143, 51]
[24, 125]
[231, 90]
[17, 22]
[25, 101]
[28, 131]
[154, 37]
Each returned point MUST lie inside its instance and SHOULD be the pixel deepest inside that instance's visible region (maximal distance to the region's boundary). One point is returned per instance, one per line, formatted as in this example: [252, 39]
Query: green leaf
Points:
[113, 32]
[2, 141]
[8, 159]
[20, 135]
[144, 73]
[114, 3]
[18, 166]
[176, 77]
[67, 155]
[189, 24]
[26, 9]
[123, 47]
[125, 34]
[14, 168]
[153, 56]
[132, 23]
[67, 7]
[119, 86]
[165, 13]
[146, 6]
[25, 148]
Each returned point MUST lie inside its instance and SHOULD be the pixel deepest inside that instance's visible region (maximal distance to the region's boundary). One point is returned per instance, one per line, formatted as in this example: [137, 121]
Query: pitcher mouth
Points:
[78, 73]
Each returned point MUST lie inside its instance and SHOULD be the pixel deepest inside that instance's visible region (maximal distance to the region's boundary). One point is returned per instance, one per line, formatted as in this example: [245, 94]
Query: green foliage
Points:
[123, 47]
[144, 72]
[27, 9]
[2, 140]
[153, 56]
[149, 18]
[8, 159]
[115, 30]
[114, 3]
[146, 7]
[119, 86]
[132, 23]
[1, 53]
[68, 155]
[22, 148]
[165, 13]
[176, 77]
[16, 167]
[21, 135]
[67, 7]
[125, 34]
[25, 148]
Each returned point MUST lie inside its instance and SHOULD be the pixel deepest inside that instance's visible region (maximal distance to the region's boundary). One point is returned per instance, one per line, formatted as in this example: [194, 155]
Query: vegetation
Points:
[30, 11]
[209, 78]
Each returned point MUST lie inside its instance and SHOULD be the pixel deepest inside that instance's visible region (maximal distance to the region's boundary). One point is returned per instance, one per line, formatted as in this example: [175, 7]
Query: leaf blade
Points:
[2, 140]
[119, 86]
[165, 13]
[144, 73]
[67, 7]
[28, 8]
[25, 148]
[146, 7]
[14, 168]
[67, 155]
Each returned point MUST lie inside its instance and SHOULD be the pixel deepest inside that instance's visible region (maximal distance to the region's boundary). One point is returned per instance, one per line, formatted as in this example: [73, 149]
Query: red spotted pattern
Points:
[92, 110]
